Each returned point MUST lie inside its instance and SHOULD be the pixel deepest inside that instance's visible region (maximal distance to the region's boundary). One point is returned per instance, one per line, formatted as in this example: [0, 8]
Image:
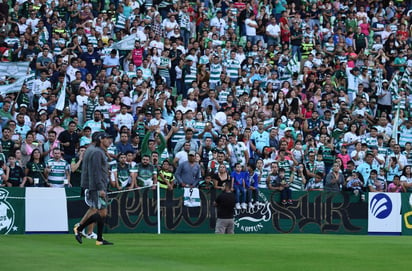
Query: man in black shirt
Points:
[16, 173]
[225, 204]
[69, 140]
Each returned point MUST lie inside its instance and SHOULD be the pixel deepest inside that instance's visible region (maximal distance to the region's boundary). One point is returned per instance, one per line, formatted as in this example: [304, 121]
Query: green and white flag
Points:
[16, 86]
[396, 126]
[406, 78]
[17, 70]
[379, 78]
[393, 86]
[293, 65]
[126, 44]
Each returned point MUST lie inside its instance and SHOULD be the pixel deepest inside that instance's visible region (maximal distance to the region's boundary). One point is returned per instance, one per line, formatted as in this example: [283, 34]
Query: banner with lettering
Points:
[312, 212]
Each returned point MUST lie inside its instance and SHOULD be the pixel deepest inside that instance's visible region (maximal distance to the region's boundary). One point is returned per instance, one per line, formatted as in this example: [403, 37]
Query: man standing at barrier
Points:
[95, 179]
[225, 204]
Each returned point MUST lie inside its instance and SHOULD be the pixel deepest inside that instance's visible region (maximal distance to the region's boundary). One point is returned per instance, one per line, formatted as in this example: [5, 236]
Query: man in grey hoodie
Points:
[95, 179]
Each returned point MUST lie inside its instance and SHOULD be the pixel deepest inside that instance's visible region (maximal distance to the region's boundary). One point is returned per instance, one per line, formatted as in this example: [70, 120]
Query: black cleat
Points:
[103, 243]
[77, 234]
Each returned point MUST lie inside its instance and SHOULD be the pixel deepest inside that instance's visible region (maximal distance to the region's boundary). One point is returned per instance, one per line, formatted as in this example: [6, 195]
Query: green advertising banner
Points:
[406, 213]
[136, 212]
[12, 210]
[313, 212]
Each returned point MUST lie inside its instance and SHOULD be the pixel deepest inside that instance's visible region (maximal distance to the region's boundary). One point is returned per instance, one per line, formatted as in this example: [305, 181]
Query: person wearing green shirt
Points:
[400, 61]
[155, 143]
[5, 114]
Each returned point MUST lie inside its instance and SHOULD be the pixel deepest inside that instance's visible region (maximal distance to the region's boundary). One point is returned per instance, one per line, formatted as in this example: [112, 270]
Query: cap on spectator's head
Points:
[288, 129]
[44, 91]
[126, 103]
[99, 136]
[23, 105]
[38, 124]
[356, 69]
[267, 149]
[192, 153]
[231, 135]
[42, 112]
[385, 81]
[108, 95]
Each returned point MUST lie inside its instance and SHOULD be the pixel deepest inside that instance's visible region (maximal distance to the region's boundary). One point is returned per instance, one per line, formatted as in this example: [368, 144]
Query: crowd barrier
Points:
[44, 210]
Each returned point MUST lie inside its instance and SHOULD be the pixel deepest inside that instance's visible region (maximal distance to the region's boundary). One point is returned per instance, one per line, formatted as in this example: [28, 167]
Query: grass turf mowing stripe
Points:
[206, 252]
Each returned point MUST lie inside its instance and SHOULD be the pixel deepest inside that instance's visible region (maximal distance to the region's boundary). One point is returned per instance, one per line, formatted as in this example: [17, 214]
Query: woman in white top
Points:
[357, 155]
[351, 138]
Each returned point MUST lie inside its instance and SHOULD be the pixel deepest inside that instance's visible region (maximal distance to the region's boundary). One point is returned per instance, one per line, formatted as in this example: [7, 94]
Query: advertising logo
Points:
[7, 214]
[253, 219]
[380, 206]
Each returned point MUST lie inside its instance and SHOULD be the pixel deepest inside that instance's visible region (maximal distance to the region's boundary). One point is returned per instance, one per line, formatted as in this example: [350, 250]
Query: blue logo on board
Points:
[380, 206]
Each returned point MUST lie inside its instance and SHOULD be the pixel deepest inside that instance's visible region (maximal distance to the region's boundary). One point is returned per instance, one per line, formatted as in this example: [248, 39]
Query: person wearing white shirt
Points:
[111, 62]
[81, 100]
[123, 119]
[273, 32]
[72, 69]
[170, 25]
[401, 158]
[184, 107]
[251, 26]
[158, 122]
[32, 21]
[157, 43]
[220, 119]
[182, 156]
[309, 62]
[219, 23]
[38, 85]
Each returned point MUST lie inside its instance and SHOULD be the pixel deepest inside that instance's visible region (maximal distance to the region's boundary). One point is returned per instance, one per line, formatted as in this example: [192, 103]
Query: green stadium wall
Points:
[135, 212]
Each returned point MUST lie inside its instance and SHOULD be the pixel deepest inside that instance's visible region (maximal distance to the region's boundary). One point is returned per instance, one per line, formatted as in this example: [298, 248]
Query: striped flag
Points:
[16, 86]
[293, 65]
[62, 96]
[379, 79]
[20, 71]
[406, 78]
[393, 86]
[396, 124]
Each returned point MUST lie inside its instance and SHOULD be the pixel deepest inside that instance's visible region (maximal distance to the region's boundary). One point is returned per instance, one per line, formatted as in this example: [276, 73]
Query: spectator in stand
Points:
[188, 173]
[334, 180]
[354, 77]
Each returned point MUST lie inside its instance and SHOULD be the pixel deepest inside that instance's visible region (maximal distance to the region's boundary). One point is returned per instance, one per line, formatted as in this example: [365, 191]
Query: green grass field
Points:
[206, 252]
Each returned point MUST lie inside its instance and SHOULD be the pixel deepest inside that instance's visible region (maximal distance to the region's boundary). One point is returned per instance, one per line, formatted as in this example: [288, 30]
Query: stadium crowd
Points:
[270, 94]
